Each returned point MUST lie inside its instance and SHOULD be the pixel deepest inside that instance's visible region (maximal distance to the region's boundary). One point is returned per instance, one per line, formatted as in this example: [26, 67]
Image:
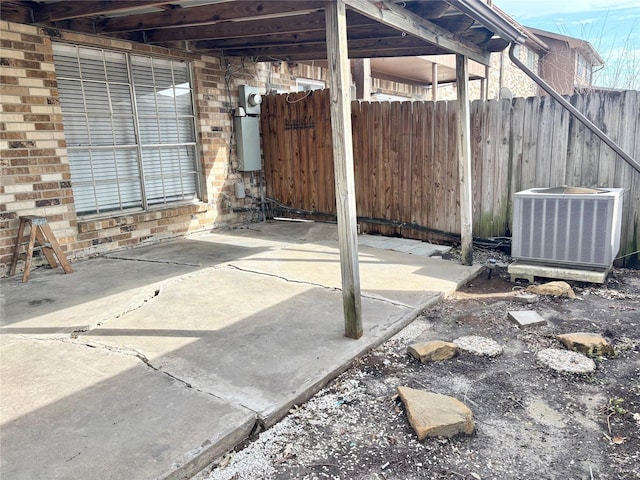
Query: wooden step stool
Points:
[40, 236]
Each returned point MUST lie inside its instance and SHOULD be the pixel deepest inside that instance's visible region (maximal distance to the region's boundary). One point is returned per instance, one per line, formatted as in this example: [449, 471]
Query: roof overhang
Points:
[283, 30]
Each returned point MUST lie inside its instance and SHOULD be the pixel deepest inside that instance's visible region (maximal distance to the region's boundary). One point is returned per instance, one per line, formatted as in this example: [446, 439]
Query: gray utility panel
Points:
[248, 140]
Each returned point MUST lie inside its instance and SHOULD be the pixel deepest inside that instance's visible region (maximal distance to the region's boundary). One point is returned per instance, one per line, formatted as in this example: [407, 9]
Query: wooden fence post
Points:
[339, 86]
[464, 159]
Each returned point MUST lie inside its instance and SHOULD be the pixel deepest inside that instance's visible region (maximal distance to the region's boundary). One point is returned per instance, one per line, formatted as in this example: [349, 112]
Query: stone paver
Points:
[478, 345]
[591, 344]
[526, 318]
[433, 351]
[565, 361]
[434, 415]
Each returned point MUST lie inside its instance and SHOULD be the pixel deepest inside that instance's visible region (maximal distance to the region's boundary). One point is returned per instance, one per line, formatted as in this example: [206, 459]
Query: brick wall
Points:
[512, 77]
[35, 172]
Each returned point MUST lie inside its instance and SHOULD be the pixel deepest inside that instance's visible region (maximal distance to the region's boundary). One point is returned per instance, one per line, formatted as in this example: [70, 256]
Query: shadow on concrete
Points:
[121, 404]
[128, 271]
[150, 362]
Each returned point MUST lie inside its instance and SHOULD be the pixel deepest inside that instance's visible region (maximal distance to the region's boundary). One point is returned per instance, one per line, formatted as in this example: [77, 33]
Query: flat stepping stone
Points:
[477, 345]
[434, 415]
[565, 361]
[526, 318]
[433, 351]
[591, 344]
[554, 289]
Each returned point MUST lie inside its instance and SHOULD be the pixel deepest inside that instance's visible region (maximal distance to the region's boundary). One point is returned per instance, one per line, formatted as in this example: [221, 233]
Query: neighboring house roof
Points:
[532, 41]
[584, 47]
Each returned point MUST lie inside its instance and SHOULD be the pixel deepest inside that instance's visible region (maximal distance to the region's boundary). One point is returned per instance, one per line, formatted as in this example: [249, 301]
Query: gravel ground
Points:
[531, 422]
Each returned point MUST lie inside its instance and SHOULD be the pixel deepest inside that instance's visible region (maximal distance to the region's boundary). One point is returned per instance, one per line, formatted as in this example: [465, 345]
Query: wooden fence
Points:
[406, 164]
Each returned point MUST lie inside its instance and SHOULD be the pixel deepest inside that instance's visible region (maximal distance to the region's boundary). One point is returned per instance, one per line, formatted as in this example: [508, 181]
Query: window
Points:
[581, 66]
[306, 85]
[130, 129]
[516, 51]
[531, 59]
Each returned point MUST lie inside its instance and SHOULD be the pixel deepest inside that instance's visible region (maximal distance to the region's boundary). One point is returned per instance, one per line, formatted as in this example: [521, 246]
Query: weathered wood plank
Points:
[268, 139]
[516, 146]
[419, 207]
[631, 242]
[501, 185]
[385, 184]
[477, 159]
[591, 147]
[339, 80]
[488, 185]
[463, 147]
[439, 166]
[529, 147]
[431, 167]
[452, 215]
[405, 160]
[544, 139]
[560, 127]
[610, 126]
[629, 119]
[573, 175]
[394, 140]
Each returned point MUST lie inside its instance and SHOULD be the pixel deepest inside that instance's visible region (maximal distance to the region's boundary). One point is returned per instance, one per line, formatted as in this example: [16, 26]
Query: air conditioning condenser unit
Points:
[567, 226]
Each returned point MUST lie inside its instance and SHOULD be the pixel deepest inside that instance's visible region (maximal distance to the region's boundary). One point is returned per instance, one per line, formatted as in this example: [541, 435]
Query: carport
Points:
[307, 30]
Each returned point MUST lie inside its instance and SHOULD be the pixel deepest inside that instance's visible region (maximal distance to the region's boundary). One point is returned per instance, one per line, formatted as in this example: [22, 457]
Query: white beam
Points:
[408, 22]
[464, 158]
[339, 86]
[434, 81]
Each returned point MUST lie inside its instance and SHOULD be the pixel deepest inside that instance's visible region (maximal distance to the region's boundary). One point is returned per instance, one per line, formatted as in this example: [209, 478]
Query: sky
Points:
[611, 26]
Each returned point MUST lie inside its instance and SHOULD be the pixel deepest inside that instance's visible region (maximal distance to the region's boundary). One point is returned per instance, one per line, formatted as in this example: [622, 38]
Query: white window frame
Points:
[130, 127]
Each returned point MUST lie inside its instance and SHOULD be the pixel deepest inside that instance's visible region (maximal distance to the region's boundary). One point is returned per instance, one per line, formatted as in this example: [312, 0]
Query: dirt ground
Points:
[531, 422]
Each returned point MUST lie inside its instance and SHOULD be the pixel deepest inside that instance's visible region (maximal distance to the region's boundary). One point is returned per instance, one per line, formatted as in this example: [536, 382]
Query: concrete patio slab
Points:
[151, 362]
[78, 412]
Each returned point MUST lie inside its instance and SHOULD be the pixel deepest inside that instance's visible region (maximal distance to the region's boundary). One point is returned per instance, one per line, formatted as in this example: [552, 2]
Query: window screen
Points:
[129, 125]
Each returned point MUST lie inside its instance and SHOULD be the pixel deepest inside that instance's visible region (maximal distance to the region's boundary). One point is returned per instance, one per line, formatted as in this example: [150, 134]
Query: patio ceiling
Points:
[292, 30]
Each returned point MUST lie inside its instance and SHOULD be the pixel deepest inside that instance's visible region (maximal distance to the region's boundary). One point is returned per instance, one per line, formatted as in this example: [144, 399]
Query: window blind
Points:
[130, 129]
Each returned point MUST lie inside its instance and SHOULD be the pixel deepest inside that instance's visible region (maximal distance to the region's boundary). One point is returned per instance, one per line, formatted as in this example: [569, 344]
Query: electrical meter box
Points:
[250, 99]
[248, 143]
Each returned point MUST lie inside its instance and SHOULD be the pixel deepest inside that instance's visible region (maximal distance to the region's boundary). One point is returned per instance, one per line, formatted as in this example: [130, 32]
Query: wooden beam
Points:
[356, 32]
[15, 12]
[290, 56]
[405, 21]
[339, 86]
[206, 14]
[372, 47]
[281, 25]
[362, 78]
[464, 158]
[65, 10]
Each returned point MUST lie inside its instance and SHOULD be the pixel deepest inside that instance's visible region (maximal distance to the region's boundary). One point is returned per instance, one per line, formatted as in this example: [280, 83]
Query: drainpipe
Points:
[575, 112]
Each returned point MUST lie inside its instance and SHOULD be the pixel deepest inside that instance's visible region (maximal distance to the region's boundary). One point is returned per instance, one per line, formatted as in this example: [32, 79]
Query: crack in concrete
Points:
[274, 275]
[143, 358]
[165, 262]
[303, 282]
